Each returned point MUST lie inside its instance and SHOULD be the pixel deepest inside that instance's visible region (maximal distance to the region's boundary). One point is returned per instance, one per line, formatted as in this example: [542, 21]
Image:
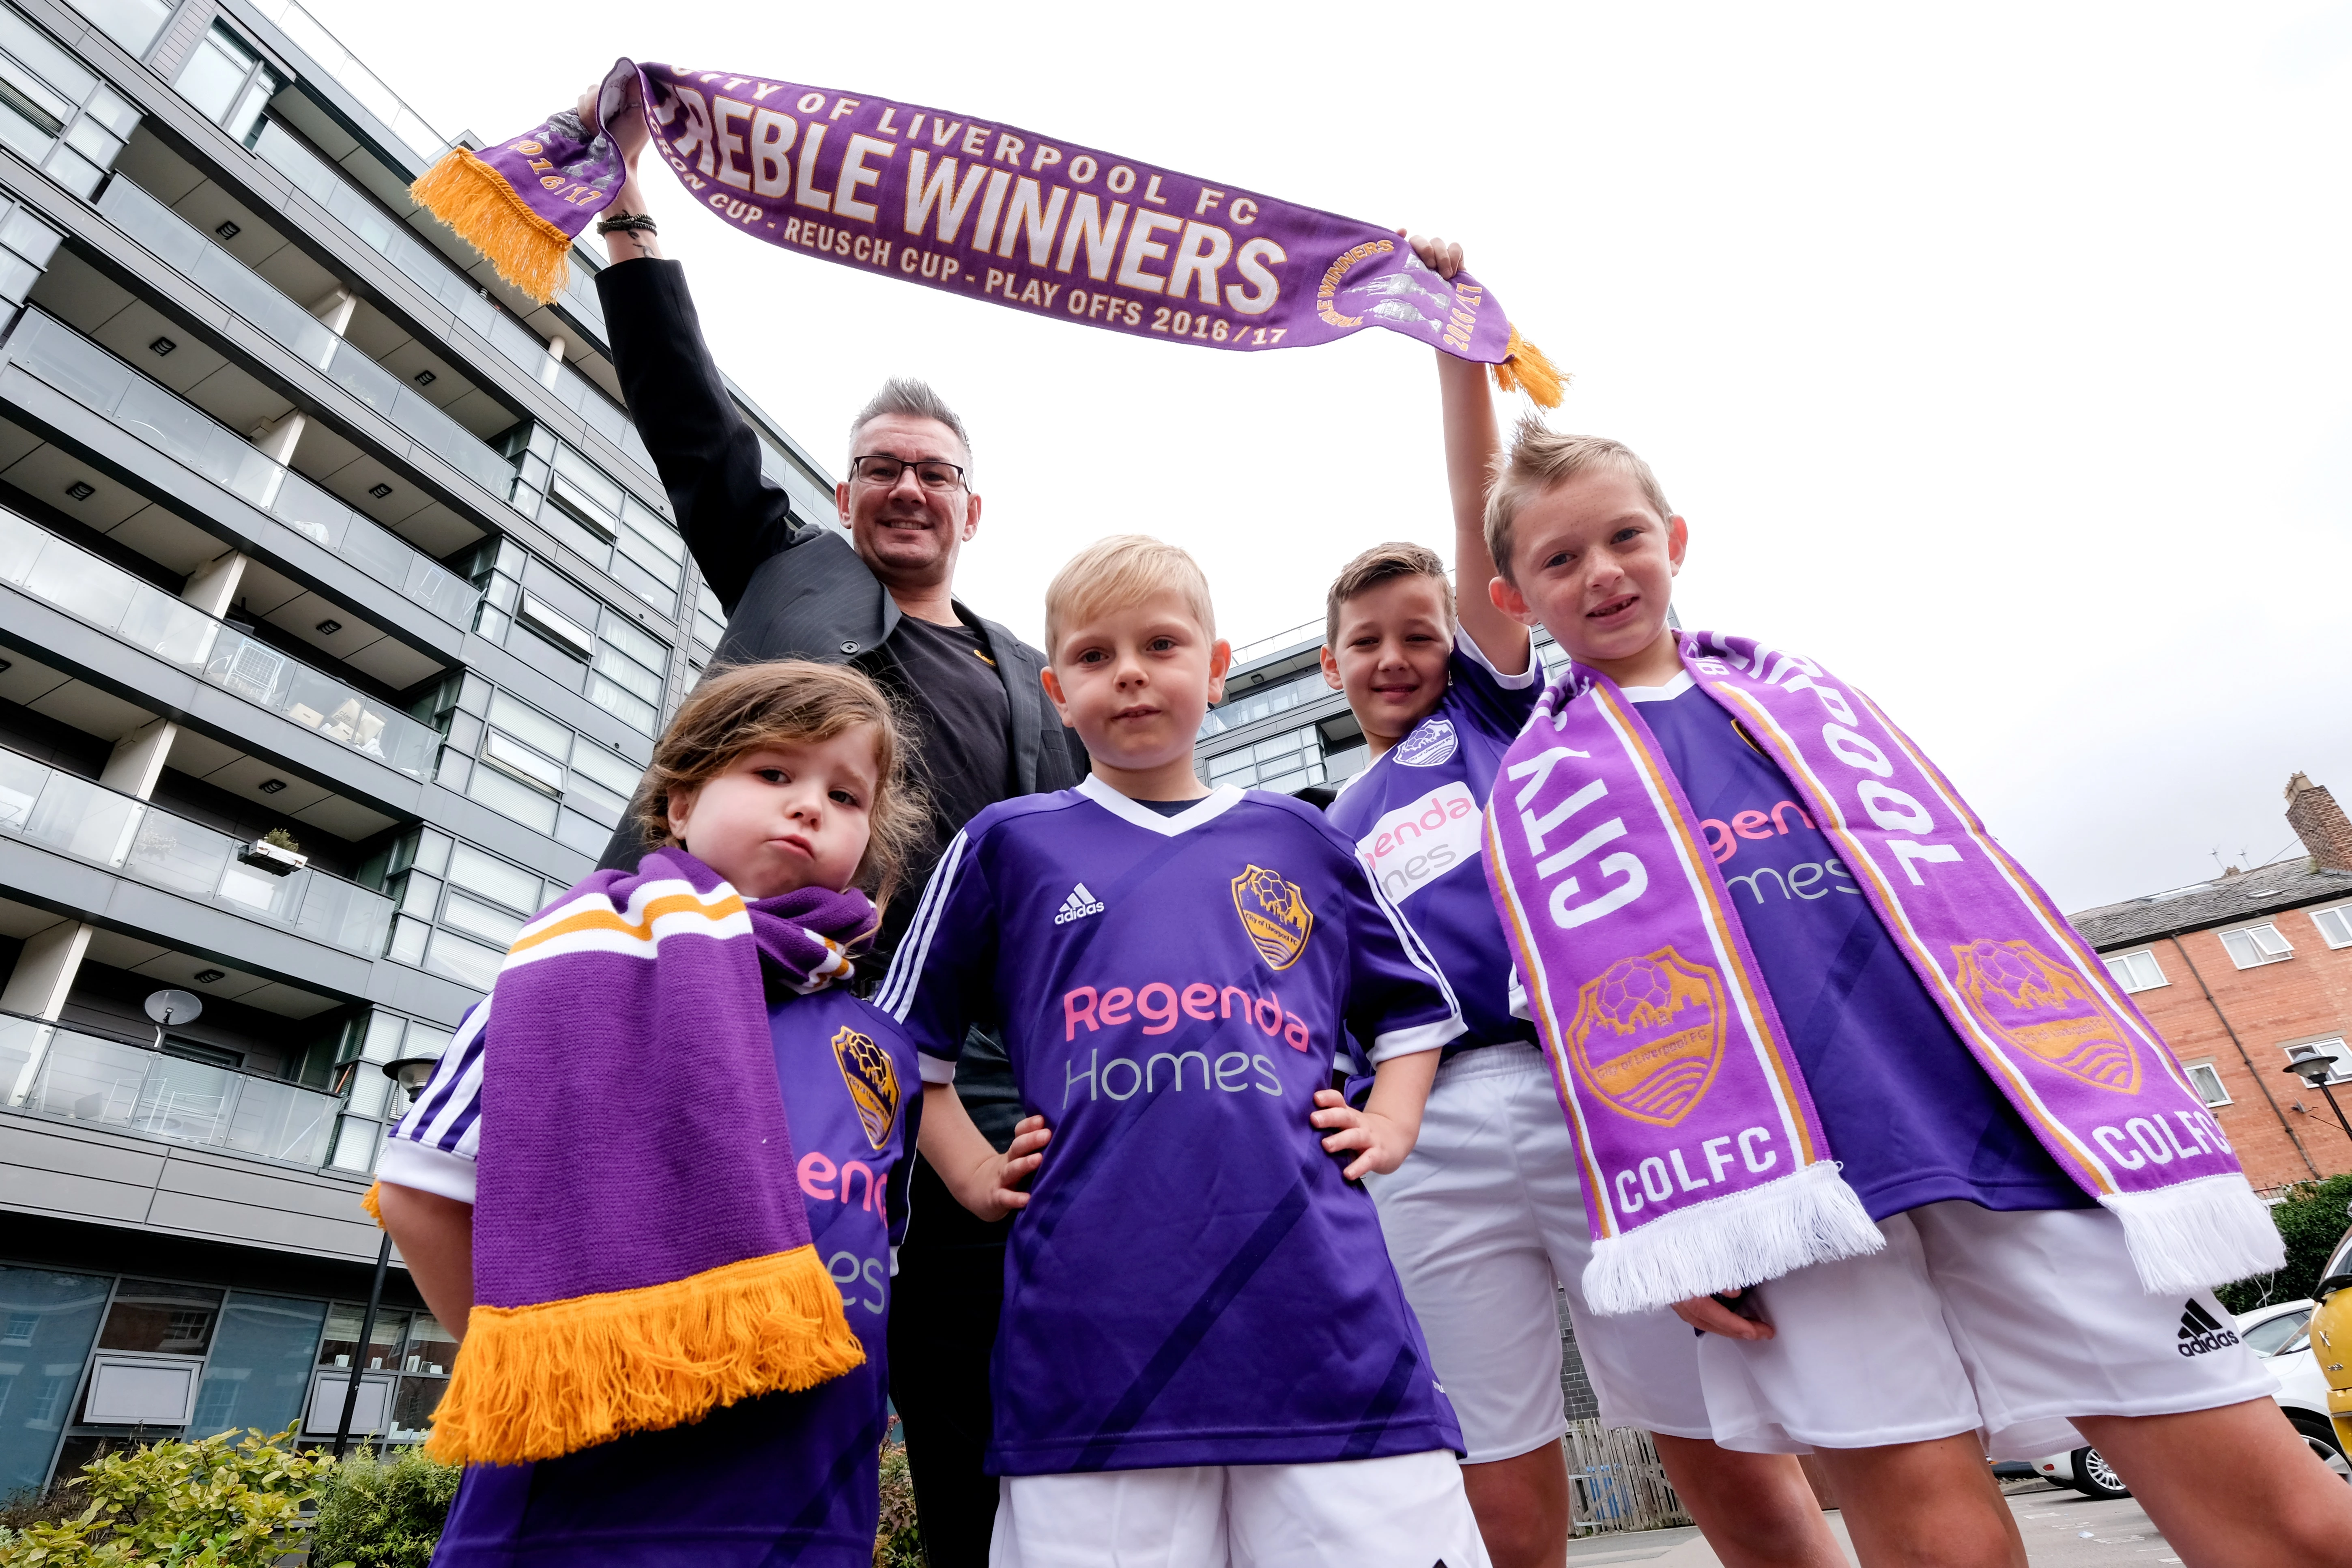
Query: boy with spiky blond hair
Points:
[1849, 1093]
[1205, 1356]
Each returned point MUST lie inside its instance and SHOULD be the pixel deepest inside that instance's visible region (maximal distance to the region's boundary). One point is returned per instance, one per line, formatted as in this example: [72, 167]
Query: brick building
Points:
[2240, 971]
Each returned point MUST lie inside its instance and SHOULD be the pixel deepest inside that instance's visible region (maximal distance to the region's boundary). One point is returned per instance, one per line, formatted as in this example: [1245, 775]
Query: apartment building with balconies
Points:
[339, 609]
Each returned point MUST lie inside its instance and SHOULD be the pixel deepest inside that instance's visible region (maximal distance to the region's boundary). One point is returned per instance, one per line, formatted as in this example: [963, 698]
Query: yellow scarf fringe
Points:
[530, 252]
[534, 1383]
[1524, 368]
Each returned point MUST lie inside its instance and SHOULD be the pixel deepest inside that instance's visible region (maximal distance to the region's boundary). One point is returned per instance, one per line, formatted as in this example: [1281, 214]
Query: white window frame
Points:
[2212, 1072]
[2113, 959]
[2343, 913]
[2329, 1045]
[2254, 945]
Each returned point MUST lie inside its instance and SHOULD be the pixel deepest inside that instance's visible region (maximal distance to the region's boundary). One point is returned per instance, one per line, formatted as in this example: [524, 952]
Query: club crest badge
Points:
[1648, 1035]
[872, 1082]
[1274, 914]
[2041, 1007]
[1432, 741]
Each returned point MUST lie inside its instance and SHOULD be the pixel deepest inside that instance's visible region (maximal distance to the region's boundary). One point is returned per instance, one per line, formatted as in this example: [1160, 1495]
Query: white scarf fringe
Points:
[2196, 1235]
[1726, 1244]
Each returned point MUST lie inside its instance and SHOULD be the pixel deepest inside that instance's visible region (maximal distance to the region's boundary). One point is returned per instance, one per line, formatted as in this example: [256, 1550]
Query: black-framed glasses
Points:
[932, 473]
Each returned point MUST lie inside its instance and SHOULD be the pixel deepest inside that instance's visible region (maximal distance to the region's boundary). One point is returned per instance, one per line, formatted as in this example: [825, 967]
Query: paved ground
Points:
[2063, 1529]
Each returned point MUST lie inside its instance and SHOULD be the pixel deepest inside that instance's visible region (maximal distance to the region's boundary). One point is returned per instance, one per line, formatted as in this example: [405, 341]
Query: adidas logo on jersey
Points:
[1079, 906]
[2201, 1333]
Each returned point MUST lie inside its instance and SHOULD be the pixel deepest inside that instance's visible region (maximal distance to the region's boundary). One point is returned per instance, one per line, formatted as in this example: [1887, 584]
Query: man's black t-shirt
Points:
[959, 701]
[957, 697]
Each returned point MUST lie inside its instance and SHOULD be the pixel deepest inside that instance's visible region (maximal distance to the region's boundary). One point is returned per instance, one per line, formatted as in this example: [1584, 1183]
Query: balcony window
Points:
[2137, 971]
[709, 620]
[260, 1364]
[44, 94]
[230, 82]
[556, 627]
[2250, 947]
[597, 519]
[626, 681]
[52, 1320]
[133, 23]
[161, 1319]
[465, 961]
[512, 885]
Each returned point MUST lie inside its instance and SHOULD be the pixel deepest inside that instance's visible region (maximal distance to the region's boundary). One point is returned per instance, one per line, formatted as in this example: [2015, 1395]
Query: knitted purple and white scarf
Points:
[1705, 1167]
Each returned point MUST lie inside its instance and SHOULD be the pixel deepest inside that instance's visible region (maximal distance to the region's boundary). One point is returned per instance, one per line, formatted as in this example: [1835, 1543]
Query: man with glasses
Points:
[883, 599]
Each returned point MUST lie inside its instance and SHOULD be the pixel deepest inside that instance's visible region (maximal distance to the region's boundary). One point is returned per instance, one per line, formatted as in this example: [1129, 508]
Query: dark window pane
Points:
[344, 1332]
[169, 1320]
[46, 1322]
[431, 1349]
[260, 1365]
[412, 1406]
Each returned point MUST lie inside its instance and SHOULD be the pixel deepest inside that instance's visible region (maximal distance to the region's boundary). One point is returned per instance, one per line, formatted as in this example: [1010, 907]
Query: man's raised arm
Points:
[733, 518]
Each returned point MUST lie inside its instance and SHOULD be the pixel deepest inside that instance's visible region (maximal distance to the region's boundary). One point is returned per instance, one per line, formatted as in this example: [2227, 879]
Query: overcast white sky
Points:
[1998, 357]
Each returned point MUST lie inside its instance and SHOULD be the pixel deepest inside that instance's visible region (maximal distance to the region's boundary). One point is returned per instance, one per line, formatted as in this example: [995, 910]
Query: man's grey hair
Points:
[903, 394]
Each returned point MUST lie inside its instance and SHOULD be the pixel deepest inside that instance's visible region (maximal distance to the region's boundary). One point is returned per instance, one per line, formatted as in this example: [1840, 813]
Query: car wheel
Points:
[2321, 1438]
[2095, 1478]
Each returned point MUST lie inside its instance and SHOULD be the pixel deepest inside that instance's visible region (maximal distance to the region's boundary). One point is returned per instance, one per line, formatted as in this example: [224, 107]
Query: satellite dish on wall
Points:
[169, 1007]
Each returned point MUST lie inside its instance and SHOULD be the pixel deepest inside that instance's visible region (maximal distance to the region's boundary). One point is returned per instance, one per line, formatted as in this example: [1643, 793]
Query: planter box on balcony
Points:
[268, 857]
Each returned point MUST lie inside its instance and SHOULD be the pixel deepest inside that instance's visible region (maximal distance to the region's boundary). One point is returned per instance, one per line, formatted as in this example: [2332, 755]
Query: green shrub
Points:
[178, 1505]
[382, 1513]
[2311, 1221]
[896, 1544]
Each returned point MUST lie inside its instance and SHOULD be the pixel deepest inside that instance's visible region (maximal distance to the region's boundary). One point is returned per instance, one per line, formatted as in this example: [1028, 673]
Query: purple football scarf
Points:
[640, 1251]
[1703, 1161]
[975, 208]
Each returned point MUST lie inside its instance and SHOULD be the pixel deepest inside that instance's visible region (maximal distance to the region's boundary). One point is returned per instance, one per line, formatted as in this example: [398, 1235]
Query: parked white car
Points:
[2280, 1334]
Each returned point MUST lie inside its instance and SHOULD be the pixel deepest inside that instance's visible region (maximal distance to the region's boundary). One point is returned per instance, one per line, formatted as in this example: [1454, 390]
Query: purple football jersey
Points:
[1415, 815]
[784, 1476]
[1193, 1282]
[1908, 1111]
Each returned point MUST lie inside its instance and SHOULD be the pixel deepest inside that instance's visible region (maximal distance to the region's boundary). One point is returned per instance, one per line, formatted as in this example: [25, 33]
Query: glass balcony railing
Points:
[458, 294]
[246, 293]
[74, 817]
[52, 1070]
[150, 619]
[327, 52]
[1305, 631]
[159, 416]
[1252, 706]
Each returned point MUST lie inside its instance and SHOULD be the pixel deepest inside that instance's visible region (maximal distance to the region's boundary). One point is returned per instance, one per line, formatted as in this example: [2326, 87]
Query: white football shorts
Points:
[1481, 1221]
[1405, 1511]
[2005, 1324]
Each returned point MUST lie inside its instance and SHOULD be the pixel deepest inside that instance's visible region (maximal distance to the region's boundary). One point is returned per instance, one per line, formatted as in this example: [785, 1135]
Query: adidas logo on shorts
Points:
[1079, 906]
[2200, 1331]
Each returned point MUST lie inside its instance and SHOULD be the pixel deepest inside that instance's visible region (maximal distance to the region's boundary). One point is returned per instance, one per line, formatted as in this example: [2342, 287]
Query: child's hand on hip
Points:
[1382, 1140]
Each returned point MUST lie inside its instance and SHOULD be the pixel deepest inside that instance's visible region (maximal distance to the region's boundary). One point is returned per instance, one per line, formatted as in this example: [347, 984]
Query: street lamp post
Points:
[412, 1073]
[2315, 1067]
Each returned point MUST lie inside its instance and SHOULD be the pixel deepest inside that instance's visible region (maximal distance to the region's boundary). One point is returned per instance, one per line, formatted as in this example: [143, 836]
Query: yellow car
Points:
[2331, 1335]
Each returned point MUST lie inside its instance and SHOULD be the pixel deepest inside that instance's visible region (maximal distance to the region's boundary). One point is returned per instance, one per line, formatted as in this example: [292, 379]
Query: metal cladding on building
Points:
[339, 608]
